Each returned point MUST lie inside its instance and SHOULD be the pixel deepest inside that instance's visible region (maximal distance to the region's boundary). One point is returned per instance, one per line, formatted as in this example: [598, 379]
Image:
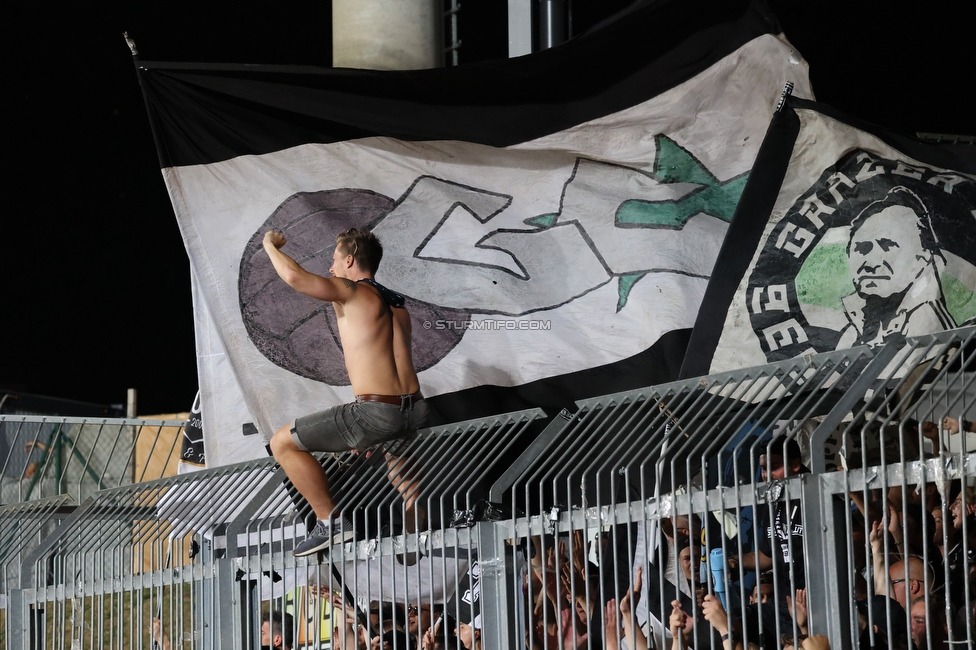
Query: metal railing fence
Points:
[44, 456]
[680, 469]
[831, 489]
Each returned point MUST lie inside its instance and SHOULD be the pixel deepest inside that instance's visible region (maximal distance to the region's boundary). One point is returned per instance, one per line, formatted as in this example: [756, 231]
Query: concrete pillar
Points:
[519, 27]
[386, 34]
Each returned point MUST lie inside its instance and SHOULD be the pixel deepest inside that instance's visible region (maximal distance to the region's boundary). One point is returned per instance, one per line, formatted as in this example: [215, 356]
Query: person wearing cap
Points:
[762, 592]
[469, 634]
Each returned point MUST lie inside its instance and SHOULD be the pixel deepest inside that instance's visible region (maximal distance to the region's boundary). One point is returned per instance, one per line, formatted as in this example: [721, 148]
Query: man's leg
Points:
[304, 471]
[405, 474]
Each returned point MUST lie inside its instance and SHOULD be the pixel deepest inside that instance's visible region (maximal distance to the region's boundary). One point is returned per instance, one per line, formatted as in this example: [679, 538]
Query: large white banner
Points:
[560, 254]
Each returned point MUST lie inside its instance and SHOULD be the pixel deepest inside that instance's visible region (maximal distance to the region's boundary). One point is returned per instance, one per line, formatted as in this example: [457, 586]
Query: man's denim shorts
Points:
[358, 425]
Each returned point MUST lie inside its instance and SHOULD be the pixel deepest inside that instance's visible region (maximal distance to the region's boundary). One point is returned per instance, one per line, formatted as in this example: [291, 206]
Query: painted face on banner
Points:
[876, 247]
[886, 255]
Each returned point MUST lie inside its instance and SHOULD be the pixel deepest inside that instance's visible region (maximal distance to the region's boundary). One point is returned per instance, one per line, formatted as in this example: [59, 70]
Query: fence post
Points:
[827, 577]
[496, 569]
[16, 619]
[230, 628]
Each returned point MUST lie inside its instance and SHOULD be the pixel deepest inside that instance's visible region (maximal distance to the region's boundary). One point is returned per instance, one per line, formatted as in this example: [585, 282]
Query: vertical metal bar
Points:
[17, 605]
[826, 549]
[495, 575]
[234, 602]
[453, 44]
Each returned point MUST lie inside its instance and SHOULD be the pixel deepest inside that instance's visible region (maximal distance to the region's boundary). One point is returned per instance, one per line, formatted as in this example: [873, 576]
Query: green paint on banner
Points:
[675, 165]
[824, 277]
[625, 284]
[960, 299]
[718, 201]
[542, 220]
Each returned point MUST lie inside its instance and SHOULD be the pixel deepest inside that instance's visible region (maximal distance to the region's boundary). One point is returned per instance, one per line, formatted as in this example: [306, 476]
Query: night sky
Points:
[96, 289]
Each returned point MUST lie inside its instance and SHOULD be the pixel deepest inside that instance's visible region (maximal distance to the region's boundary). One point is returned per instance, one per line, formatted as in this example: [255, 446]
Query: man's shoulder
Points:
[344, 291]
[388, 296]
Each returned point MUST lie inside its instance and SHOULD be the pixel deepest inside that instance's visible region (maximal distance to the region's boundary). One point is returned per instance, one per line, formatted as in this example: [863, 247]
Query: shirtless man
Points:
[374, 328]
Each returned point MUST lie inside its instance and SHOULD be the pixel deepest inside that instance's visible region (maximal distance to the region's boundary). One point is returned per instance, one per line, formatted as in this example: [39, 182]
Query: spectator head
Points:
[682, 547]
[683, 526]
[963, 507]
[918, 522]
[469, 634]
[874, 614]
[783, 459]
[927, 622]
[936, 511]
[386, 615]
[917, 617]
[277, 630]
[788, 642]
[362, 245]
[908, 578]
[763, 591]
[419, 618]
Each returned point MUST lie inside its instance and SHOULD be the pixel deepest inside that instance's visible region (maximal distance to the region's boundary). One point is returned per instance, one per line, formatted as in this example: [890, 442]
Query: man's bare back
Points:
[377, 344]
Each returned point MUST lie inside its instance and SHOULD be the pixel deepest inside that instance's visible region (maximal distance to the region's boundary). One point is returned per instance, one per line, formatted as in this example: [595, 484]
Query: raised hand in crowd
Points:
[551, 579]
[799, 609]
[714, 613]
[796, 607]
[876, 538]
[573, 576]
[953, 426]
[895, 528]
[610, 641]
[718, 618]
[572, 640]
[431, 638]
[816, 642]
[681, 626]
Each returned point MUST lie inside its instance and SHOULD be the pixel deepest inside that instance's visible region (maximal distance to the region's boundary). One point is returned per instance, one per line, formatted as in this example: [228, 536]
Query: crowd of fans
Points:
[391, 626]
[695, 581]
[910, 555]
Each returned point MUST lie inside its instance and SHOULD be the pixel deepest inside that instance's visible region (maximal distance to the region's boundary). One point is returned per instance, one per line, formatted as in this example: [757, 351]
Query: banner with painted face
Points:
[867, 237]
[552, 227]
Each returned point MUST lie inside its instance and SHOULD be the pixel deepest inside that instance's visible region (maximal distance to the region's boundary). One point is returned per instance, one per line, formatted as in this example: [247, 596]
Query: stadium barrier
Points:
[45, 456]
[573, 531]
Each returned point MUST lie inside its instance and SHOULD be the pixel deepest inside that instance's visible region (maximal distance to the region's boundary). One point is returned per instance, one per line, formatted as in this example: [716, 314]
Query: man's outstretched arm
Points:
[311, 284]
